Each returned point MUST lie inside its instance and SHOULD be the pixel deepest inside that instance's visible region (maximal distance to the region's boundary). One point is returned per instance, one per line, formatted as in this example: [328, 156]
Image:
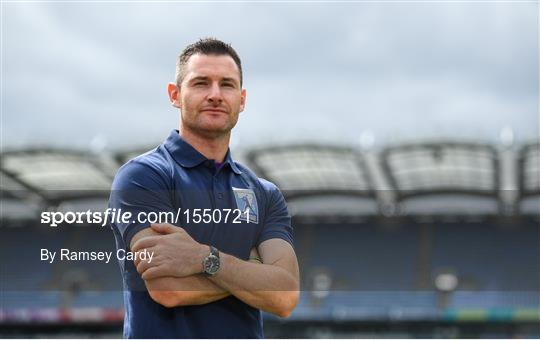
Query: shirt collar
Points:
[187, 156]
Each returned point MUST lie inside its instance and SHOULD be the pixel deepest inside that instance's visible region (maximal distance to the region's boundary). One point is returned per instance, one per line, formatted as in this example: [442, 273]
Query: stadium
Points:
[404, 136]
[420, 239]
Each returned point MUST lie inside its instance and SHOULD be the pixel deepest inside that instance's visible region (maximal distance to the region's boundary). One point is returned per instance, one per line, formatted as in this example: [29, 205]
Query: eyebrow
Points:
[229, 79]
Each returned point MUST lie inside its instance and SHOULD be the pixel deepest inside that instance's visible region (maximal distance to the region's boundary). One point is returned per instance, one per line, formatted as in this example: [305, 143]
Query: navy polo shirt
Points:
[176, 178]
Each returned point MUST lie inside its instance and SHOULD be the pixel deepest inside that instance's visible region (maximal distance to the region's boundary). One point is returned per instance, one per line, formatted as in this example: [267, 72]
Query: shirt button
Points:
[220, 195]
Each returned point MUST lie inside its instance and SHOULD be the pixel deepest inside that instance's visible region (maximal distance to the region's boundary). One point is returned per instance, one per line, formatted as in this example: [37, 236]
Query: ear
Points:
[243, 100]
[174, 94]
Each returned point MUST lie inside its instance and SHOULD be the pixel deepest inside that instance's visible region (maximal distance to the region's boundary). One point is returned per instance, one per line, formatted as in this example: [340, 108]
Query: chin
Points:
[217, 125]
[215, 130]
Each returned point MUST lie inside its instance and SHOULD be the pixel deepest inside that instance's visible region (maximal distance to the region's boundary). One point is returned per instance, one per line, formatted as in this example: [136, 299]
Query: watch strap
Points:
[214, 251]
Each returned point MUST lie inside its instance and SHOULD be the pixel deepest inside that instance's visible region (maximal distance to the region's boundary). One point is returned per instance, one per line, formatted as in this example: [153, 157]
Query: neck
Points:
[211, 147]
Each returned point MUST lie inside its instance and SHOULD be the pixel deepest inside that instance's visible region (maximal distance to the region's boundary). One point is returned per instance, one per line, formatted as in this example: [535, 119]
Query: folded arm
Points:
[272, 285]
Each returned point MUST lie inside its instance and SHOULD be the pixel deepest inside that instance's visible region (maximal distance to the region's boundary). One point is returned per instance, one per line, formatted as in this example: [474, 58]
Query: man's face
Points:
[210, 96]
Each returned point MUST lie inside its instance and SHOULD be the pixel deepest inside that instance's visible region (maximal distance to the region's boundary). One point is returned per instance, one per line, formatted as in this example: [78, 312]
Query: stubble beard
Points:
[208, 133]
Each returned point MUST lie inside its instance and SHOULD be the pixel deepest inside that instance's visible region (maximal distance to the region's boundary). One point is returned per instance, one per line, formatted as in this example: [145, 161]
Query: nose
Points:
[215, 96]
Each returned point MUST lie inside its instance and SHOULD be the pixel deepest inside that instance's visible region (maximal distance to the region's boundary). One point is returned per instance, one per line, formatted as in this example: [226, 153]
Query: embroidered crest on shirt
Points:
[246, 199]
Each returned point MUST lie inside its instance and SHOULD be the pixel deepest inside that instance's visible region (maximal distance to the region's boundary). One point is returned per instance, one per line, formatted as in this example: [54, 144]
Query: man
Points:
[201, 281]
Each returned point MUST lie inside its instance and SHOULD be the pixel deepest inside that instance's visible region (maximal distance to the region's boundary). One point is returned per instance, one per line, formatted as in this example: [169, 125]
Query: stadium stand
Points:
[417, 233]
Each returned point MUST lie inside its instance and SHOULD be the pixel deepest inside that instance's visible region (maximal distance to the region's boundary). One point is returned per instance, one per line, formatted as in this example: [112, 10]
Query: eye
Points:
[200, 83]
[228, 85]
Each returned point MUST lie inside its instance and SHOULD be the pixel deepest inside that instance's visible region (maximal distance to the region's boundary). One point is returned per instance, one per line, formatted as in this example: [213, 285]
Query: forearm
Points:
[265, 286]
[185, 291]
[272, 286]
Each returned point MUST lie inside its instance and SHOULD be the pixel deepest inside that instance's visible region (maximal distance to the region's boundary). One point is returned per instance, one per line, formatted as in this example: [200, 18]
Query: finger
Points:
[138, 257]
[144, 266]
[153, 272]
[145, 242]
[165, 228]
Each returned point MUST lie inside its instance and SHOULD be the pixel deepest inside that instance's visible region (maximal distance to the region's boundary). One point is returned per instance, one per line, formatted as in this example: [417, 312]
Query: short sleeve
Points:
[139, 189]
[277, 222]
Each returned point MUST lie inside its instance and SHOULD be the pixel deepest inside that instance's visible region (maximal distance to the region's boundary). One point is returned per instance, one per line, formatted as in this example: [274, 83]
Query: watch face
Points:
[211, 264]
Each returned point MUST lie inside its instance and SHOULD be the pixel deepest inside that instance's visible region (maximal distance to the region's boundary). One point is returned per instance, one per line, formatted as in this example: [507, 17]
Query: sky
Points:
[94, 74]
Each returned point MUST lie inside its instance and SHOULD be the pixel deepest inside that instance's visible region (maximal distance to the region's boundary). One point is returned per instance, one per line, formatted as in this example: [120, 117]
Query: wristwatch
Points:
[211, 263]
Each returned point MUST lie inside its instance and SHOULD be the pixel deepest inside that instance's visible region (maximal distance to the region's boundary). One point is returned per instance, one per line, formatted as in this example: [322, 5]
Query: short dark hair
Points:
[206, 46]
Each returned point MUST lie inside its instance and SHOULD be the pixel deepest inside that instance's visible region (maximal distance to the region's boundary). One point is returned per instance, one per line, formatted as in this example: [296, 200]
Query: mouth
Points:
[214, 110]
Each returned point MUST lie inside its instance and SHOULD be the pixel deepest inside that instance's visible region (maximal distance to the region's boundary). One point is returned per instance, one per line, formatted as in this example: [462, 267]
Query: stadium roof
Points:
[310, 175]
[313, 170]
[529, 170]
[54, 175]
[419, 169]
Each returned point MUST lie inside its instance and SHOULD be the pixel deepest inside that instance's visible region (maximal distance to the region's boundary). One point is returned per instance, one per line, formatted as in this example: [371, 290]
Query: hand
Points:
[175, 253]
